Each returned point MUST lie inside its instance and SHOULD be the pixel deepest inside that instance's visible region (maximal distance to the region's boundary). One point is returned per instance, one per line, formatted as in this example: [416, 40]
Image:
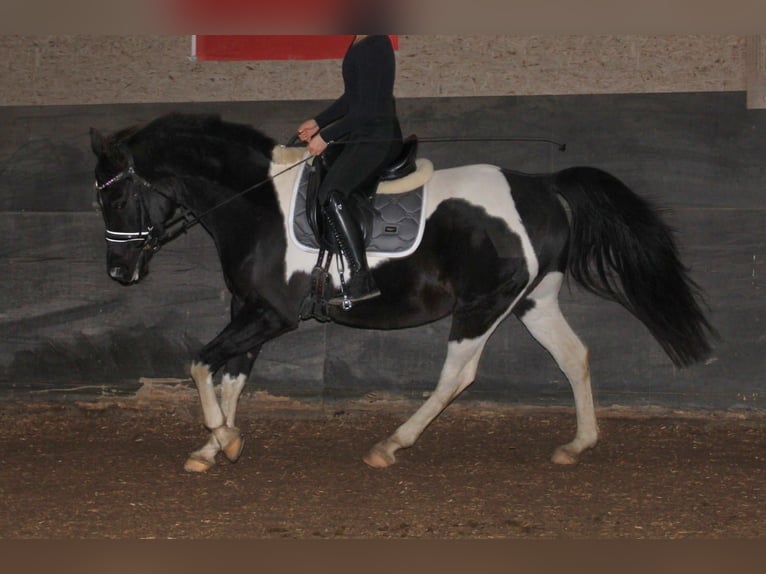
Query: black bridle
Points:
[147, 233]
[152, 236]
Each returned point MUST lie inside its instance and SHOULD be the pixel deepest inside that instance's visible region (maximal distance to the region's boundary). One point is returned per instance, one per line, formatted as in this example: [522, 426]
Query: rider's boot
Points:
[348, 234]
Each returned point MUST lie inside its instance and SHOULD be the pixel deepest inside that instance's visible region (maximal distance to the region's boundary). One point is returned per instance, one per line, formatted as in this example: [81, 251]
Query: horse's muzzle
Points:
[128, 267]
[122, 274]
[125, 276]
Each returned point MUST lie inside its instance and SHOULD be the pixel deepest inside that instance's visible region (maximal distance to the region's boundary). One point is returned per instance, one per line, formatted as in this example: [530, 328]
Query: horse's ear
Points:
[96, 142]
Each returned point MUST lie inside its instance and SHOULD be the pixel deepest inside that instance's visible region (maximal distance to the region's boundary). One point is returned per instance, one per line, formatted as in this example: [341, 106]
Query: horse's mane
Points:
[208, 127]
[233, 154]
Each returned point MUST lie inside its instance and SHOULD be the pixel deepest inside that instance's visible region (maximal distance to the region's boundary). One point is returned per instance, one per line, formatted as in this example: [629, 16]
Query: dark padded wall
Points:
[67, 327]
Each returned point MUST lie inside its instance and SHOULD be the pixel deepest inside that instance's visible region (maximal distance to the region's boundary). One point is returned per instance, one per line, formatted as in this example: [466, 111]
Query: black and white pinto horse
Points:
[496, 242]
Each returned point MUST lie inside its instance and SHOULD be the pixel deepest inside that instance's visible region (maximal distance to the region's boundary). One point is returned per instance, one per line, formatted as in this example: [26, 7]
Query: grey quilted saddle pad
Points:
[397, 227]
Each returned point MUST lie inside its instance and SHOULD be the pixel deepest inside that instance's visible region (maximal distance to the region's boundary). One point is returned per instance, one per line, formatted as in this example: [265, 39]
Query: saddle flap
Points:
[397, 225]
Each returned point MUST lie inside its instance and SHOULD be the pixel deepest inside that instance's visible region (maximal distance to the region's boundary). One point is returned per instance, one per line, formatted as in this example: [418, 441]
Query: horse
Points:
[497, 242]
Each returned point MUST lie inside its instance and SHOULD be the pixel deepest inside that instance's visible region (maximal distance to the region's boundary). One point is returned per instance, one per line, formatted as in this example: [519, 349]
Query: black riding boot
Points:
[348, 234]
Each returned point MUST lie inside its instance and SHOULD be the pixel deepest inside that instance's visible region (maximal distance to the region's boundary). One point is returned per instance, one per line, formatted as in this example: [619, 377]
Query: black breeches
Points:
[354, 165]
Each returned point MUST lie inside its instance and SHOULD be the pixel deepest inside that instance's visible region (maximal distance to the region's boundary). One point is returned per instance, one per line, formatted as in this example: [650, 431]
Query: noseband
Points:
[149, 235]
[146, 235]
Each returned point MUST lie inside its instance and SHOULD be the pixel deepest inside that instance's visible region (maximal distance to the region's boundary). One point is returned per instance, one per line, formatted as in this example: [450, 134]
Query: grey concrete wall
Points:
[65, 325]
[100, 69]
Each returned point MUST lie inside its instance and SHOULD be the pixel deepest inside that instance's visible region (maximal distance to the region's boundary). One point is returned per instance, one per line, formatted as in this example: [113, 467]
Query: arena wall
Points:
[668, 115]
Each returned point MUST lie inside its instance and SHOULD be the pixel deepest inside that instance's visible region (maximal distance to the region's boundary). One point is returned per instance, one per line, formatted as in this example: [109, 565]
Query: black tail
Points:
[620, 249]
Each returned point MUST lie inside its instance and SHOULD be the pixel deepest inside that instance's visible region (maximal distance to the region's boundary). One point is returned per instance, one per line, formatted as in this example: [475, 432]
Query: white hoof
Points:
[197, 465]
[562, 456]
[230, 440]
[233, 450]
[379, 458]
[570, 453]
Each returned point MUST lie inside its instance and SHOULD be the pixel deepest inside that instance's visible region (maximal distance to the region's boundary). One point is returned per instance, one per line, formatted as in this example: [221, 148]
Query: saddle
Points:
[361, 205]
[404, 164]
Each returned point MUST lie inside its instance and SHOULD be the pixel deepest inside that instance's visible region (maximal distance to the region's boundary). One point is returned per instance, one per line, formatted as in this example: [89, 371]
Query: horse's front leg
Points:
[232, 383]
[224, 436]
[237, 346]
[221, 434]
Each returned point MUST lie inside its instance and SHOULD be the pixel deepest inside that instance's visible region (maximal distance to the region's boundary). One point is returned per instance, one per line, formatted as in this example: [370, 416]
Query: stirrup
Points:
[346, 302]
[347, 298]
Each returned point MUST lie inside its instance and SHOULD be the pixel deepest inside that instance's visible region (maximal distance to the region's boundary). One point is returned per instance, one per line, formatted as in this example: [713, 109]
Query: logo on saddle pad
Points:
[399, 213]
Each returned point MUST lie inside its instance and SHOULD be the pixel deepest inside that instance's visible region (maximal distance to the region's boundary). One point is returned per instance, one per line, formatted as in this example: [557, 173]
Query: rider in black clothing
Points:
[364, 125]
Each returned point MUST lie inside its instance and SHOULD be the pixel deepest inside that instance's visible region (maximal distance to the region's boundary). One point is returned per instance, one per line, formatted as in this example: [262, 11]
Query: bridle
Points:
[151, 236]
[146, 233]
[154, 237]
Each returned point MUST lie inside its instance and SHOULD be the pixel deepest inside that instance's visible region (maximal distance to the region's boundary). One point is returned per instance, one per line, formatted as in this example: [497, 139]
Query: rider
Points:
[364, 127]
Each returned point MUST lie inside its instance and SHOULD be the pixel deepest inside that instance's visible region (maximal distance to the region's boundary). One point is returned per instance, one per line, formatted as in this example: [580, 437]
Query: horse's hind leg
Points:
[458, 372]
[548, 326]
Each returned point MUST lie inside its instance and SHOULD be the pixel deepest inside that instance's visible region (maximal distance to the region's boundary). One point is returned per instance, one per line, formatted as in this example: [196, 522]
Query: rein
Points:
[559, 145]
[153, 239]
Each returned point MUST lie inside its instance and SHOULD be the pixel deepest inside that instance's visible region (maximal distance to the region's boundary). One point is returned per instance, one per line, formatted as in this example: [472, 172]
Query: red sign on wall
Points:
[232, 47]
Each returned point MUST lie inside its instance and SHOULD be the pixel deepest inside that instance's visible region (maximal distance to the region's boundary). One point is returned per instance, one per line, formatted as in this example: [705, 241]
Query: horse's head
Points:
[134, 209]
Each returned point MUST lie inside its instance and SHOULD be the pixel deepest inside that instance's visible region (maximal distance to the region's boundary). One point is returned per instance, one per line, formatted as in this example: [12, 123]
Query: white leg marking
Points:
[231, 388]
[211, 410]
[548, 326]
[458, 372]
[204, 458]
[229, 437]
[459, 369]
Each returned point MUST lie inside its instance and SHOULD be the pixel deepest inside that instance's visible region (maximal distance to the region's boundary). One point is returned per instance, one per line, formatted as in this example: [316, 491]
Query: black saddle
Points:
[362, 207]
[404, 164]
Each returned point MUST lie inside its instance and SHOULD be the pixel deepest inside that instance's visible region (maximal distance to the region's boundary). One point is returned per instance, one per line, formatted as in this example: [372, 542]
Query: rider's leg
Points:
[348, 234]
